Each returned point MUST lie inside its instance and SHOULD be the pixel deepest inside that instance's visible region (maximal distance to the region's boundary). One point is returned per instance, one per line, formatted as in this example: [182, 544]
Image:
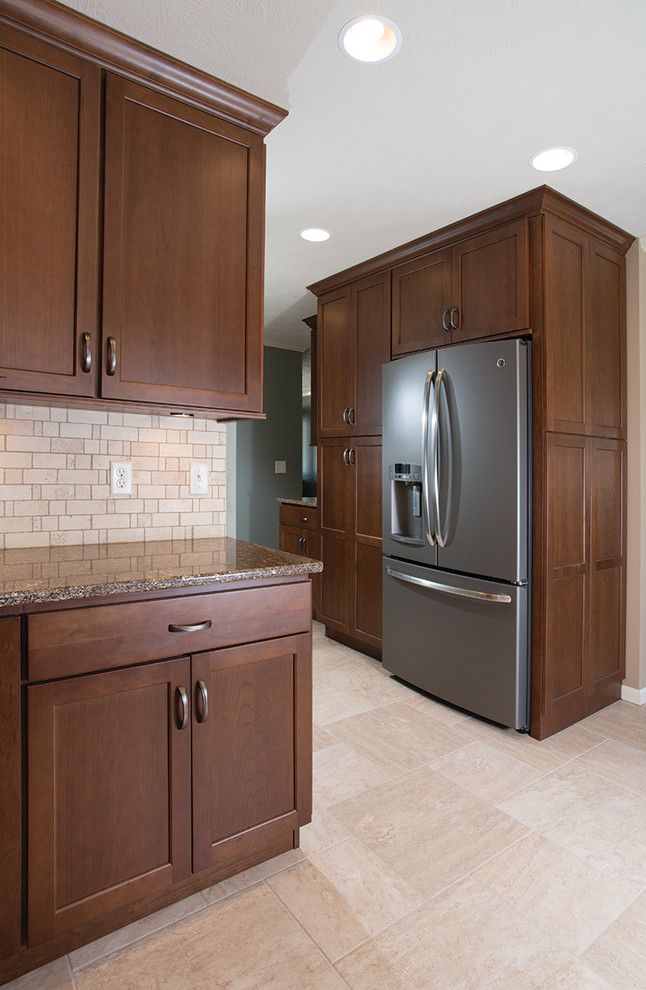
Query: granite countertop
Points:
[51, 574]
[306, 500]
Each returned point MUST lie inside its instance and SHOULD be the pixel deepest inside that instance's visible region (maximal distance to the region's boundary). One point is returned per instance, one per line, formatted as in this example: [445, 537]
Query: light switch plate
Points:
[199, 479]
[280, 467]
[121, 477]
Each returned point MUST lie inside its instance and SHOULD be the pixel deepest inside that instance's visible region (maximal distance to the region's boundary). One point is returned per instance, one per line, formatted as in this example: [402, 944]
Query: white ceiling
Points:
[380, 154]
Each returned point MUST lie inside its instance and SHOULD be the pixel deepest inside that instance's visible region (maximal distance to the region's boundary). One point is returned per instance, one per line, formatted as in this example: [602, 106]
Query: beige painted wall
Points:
[636, 521]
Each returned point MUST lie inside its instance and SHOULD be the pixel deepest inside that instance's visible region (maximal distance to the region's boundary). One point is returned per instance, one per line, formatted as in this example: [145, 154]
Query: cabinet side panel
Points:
[11, 791]
[607, 343]
[607, 613]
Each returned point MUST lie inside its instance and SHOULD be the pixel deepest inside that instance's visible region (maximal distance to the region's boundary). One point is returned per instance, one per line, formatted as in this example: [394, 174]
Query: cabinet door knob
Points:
[445, 323]
[191, 627]
[202, 702]
[455, 319]
[182, 707]
[86, 352]
[305, 519]
[112, 356]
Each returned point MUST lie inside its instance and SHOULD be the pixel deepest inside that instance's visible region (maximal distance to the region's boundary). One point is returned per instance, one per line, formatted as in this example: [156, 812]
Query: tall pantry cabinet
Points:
[538, 266]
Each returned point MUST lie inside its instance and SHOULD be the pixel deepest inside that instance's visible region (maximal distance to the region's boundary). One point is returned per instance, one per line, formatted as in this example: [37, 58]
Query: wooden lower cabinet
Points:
[299, 534]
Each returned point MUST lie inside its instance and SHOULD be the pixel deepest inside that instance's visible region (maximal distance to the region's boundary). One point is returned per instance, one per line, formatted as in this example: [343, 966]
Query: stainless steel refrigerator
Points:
[456, 519]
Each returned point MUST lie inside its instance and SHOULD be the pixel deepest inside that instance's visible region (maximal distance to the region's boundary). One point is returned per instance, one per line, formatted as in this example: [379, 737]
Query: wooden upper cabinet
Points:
[606, 343]
[421, 299]
[106, 833]
[490, 283]
[50, 106]
[335, 363]
[370, 304]
[183, 254]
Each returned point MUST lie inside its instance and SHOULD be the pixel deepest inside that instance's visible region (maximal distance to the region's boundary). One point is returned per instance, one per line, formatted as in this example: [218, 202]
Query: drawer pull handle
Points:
[305, 519]
[194, 627]
[202, 703]
[182, 707]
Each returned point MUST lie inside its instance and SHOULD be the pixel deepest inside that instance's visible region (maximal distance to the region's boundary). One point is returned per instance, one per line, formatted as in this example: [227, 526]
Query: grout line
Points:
[70, 970]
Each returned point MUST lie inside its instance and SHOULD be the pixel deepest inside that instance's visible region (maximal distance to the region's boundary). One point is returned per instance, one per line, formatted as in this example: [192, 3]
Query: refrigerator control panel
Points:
[405, 472]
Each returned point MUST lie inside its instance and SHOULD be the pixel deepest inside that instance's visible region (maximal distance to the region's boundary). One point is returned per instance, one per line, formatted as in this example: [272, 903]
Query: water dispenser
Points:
[406, 503]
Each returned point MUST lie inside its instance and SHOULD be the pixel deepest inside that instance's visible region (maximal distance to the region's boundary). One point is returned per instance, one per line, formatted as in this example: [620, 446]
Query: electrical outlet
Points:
[280, 467]
[121, 477]
[199, 479]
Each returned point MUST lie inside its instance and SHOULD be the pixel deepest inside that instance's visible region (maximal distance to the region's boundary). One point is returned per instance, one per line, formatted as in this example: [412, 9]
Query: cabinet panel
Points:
[490, 282]
[335, 363]
[106, 833]
[607, 613]
[367, 613]
[421, 293]
[566, 316]
[335, 588]
[49, 208]
[371, 318]
[333, 475]
[11, 814]
[366, 521]
[244, 749]
[606, 353]
[183, 253]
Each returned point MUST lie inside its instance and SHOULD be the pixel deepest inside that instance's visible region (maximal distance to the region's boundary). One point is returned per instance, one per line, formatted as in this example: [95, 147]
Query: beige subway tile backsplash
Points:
[55, 477]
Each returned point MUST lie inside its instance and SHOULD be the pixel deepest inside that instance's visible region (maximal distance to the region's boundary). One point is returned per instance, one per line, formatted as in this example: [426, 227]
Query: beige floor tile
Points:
[254, 875]
[341, 693]
[465, 937]
[428, 830]
[622, 721]
[138, 930]
[55, 976]
[601, 822]
[323, 831]
[570, 900]
[620, 954]
[397, 737]
[343, 896]
[340, 772]
[327, 658]
[547, 755]
[438, 709]
[486, 771]
[321, 738]
[617, 762]
[249, 941]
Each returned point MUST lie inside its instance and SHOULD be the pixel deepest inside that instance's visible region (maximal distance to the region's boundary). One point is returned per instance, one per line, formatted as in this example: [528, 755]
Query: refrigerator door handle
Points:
[426, 474]
[447, 589]
[443, 528]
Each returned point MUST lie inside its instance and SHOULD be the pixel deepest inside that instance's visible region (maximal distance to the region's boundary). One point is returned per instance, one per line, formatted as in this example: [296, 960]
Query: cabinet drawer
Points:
[301, 516]
[82, 640]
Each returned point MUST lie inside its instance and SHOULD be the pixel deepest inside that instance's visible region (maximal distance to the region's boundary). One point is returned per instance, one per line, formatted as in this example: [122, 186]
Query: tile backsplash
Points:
[55, 477]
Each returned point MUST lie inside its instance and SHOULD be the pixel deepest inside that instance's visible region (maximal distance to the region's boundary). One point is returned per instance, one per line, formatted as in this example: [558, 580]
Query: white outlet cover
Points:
[199, 479]
[280, 467]
[121, 477]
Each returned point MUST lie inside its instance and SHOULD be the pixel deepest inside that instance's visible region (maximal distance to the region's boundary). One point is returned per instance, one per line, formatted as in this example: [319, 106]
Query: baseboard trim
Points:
[636, 696]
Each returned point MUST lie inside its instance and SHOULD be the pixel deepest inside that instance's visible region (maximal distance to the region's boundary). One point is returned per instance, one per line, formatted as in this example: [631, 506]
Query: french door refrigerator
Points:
[456, 542]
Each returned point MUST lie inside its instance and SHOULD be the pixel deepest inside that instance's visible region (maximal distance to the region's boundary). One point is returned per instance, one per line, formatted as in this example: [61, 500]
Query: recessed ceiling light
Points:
[315, 234]
[552, 159]
[370, 39]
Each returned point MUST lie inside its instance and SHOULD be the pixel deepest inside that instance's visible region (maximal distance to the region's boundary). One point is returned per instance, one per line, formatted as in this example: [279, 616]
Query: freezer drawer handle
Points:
[447, 589]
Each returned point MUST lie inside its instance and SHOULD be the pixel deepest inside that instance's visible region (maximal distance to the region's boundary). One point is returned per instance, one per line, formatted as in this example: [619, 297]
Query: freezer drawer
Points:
[471, 651]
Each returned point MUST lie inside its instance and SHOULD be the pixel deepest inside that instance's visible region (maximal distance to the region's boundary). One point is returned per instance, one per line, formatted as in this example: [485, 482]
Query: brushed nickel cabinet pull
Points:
[455, 320]
[86, 352]
[305, 519]
[351, 416]
[346, 413]
[182, 707]
[346, 457]
[202, 702]
[352, 456]
[112, 356]
[445, 318]
[192, 627]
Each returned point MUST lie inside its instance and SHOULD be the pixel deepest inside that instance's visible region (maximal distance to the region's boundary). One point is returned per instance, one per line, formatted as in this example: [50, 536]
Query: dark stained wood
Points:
[244, 753]
[365, 563]
[182, 284]
[334, 504]
[49, 212]
[304, 543]
[301, 516]
[370, 307]
[109, 794]
[490, 283]
[367, 612]
[112, 50]
[606, 343]
[336, 355]
[335, 586]
[68, 642]
[421, 298]
[11, 790]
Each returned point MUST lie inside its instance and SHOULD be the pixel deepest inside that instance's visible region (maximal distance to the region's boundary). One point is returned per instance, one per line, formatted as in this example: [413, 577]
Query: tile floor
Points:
[444, 853]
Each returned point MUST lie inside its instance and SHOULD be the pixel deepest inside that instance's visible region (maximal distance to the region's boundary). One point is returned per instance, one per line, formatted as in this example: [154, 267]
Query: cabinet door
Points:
[251, 751]
[182, 301]
[490, 283]
[291, 540]
[335, 359]
[370, 302]
[421, 296]
[335, 492]
[49, 206]
[606, 350]
[366, 548]
[109, 799]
